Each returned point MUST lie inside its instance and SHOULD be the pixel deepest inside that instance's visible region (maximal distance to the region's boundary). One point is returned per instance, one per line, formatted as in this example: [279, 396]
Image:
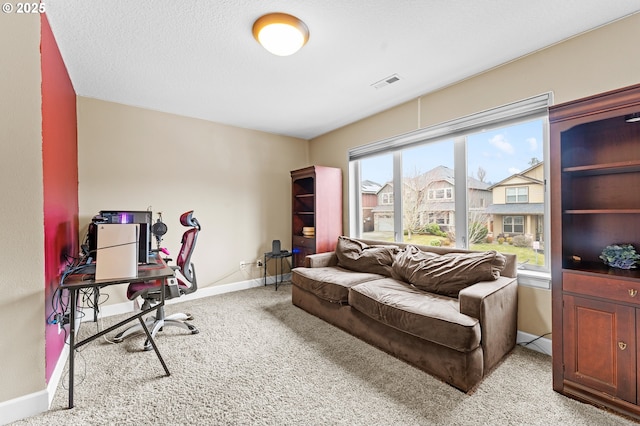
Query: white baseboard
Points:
[24, 406]
[37, 402]
[126, 307]
[533, 342]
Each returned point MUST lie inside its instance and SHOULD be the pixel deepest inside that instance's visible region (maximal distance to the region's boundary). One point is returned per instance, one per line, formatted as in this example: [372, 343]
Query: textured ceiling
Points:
[198, 58]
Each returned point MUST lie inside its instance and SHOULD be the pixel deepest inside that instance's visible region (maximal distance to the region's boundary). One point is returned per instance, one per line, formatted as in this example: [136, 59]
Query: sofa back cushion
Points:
[361, 257]
[449, 273]
[510, 269]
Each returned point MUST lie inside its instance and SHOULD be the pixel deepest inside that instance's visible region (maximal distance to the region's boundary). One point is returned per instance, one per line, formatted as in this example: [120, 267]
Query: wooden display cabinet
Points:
[595, 202]
[316, 203]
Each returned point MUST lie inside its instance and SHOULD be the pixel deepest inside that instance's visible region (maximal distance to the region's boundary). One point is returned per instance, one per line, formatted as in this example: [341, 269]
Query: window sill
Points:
[534, 279]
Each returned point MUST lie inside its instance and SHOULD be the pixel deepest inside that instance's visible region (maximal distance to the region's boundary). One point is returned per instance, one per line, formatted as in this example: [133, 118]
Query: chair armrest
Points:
[495, 305]
[320, 260]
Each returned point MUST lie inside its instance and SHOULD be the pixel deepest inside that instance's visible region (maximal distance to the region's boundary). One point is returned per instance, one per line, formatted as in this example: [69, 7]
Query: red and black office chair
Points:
[150, 291]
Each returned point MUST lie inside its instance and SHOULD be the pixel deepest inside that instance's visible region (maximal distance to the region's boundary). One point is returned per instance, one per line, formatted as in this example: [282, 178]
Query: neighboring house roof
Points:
[443, 206]
[516, 208]
[382, 208]
[386, 185]
[444, 173]
[522, 175]
[370, 187]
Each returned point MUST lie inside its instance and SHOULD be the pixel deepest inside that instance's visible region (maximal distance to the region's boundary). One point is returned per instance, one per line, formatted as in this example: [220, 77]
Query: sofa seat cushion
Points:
[330, 283]
[429, 316]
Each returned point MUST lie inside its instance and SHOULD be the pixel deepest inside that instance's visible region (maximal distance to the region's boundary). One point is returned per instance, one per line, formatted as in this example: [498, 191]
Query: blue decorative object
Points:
[622, 256]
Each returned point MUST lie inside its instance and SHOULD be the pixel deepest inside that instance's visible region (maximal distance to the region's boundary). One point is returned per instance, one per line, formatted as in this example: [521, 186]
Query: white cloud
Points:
[514, 170]
[501, 143]
[533, 144]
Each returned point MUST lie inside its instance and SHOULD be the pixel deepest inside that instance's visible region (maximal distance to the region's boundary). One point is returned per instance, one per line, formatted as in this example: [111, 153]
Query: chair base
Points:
[157, 323]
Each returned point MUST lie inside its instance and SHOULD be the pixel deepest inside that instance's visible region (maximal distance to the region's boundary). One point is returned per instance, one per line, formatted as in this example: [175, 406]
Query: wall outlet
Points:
[259, 263]
[62, 320]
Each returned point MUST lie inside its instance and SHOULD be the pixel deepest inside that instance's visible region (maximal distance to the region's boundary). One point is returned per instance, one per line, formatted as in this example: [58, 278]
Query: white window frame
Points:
[447, 194]
[387, 198]
[521, 194]
[513, 224]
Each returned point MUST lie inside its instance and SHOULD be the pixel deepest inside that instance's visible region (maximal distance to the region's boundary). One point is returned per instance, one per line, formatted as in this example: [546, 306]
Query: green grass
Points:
[524, 254]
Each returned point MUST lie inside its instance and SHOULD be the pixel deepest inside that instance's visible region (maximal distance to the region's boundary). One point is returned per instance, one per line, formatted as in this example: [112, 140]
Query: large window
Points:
[477, 182]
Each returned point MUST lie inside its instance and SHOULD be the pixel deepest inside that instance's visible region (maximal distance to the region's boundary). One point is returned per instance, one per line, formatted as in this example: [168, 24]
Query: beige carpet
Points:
[258, 360]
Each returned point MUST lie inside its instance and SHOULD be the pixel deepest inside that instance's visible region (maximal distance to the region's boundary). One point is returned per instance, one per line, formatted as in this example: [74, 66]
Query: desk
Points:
[78, 281]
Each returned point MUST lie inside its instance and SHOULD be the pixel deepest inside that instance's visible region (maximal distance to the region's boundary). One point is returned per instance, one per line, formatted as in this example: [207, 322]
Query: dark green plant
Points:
[434, 229]
[623, 256]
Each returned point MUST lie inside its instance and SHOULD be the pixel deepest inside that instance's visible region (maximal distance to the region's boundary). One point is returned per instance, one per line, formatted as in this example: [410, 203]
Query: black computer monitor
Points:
[142, 217]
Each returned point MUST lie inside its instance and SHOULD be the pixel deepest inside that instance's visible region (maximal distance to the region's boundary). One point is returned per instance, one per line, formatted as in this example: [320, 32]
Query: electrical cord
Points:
[79, 377]
[532, 342]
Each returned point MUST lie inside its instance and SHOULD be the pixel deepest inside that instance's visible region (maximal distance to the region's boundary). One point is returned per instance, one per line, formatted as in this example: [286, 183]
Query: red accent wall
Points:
[60, 175]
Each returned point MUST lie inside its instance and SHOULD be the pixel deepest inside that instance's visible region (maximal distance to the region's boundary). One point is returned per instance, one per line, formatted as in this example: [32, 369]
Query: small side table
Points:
[283, 254]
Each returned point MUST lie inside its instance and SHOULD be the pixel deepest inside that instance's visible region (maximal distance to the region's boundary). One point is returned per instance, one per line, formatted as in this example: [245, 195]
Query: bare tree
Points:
[477, 216]
[413, 195]
[482, 174]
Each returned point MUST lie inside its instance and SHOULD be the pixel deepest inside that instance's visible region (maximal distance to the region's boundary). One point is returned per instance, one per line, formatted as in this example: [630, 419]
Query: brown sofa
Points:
[395, 296]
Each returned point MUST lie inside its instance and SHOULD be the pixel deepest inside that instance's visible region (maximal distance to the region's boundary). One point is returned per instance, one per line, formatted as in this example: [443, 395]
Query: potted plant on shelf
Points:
[622, 256]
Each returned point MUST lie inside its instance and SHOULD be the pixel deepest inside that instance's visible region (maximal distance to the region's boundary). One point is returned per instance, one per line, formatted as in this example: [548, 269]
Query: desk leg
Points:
[72, 343]
[146, 330]
[96, 299]
[153, 344]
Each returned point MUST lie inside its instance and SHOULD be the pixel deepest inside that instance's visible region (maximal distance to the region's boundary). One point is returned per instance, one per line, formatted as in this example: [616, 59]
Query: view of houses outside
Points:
[504, 193]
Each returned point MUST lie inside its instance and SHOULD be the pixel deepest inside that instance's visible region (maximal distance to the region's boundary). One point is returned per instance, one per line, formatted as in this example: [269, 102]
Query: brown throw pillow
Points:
[358, 256]
[448, 273]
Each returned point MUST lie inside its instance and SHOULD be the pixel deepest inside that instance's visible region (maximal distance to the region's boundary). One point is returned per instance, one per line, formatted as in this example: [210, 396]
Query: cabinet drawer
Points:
[299, 241]
[608, 288]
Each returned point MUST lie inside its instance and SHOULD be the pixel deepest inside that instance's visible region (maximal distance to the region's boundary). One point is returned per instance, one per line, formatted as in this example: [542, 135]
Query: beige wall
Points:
[22, 357]
[236, 180]
[591, 63]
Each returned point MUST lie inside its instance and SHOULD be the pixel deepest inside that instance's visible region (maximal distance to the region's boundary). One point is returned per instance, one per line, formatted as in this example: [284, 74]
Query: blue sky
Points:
[500, 152]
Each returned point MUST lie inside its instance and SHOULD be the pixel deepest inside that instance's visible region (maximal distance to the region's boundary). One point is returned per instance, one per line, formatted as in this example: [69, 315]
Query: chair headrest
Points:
[187, 219]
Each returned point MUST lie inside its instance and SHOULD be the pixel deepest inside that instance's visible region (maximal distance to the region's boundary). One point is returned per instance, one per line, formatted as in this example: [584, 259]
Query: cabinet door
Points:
[599, 346]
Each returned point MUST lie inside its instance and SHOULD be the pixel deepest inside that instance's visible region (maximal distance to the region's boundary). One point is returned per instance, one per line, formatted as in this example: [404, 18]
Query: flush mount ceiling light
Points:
[280, 34]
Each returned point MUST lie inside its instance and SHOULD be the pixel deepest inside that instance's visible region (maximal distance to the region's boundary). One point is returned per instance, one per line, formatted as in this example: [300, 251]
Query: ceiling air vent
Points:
[386, 81]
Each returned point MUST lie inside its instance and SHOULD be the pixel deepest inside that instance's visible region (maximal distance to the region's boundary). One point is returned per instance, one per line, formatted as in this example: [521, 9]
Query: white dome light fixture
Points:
[280, 33]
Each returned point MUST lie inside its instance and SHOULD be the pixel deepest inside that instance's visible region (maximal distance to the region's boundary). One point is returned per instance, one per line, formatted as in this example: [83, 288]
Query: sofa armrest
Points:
[320, 260]
[495, 305]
